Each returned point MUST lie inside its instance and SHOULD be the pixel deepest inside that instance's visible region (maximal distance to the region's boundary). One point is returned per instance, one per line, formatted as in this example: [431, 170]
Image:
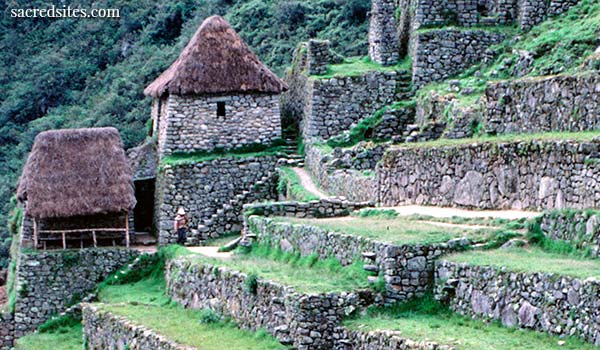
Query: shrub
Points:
[251, 284]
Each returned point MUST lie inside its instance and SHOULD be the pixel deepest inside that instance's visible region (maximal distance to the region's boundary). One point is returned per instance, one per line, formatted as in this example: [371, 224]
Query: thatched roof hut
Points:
[216, 61]
[77, 172]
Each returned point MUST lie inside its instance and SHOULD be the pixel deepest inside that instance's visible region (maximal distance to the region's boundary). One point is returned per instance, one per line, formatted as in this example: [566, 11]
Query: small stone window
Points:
[220, 109]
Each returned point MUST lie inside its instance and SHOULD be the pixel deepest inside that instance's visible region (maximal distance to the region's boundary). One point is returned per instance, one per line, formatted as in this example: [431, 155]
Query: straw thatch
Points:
[216, 61]
[76, 172]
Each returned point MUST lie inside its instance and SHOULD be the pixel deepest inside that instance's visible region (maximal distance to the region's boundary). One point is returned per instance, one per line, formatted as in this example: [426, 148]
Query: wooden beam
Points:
[83, 230]
[127, 229]
[35, 234]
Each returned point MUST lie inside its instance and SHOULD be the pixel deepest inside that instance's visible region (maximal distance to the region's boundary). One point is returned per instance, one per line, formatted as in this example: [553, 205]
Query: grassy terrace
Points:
[194, 328]
[356, 66]
[583, 136]
[395, 230]
[305, 274]
[531, 259]
[64, 338]
[427, 320]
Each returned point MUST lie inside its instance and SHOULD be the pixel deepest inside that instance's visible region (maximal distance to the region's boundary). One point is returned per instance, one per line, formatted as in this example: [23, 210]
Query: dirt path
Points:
[443, 212]
[211, 252]
[308, 183]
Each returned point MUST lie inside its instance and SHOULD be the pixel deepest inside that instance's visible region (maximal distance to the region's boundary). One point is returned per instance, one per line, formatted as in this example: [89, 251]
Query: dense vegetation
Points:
[62, 73]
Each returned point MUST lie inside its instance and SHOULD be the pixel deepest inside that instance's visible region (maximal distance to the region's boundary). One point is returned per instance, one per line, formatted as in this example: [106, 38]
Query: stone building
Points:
[77, 189]
[216, 95]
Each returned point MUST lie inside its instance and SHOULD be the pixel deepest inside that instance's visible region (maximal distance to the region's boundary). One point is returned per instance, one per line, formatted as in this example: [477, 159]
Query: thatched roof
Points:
[75, 172]
[216, 61]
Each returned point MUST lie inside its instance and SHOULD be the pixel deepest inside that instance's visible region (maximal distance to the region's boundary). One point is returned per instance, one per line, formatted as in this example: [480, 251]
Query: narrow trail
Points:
[308, 183]
[444, 212]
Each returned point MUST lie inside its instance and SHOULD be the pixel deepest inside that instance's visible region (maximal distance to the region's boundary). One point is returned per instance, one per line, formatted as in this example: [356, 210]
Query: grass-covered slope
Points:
[427, 320]
[559, 45]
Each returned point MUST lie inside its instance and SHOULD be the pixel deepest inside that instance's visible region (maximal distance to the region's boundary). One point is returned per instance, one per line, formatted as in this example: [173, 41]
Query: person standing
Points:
[181, 226]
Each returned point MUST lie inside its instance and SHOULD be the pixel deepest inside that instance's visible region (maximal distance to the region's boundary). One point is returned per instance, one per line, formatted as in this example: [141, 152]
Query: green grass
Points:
[145, 302]
[584, 136]
[257, 150]
[395, 230]
[364, 128]
[185, 327]
[559, 45]
[305, 274]
[531, 259]
[427, 320]
[65, 338]
[291, 185]
[356, 66]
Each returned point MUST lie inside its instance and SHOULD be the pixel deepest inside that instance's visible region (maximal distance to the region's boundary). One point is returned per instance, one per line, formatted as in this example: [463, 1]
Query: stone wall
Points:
[440, 53]
[318, 57]
[209, 188]
[518, 175]
[324, 208]
[464, 13]
[407, 269]
[103, 330]
[455, 120]
[383, 32]
[382, 340]
[7, 330]
[556, 103]
[49, 282]
[579, 227]
[332, 105]
[191, 123]
[554, 304]
[532, 12]
[306, 321]
[351, 184]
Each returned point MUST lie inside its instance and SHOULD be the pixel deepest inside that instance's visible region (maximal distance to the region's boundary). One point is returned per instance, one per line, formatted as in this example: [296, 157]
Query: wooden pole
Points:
[94, 237]
[35, 234]
[64, 238]
[127, 229]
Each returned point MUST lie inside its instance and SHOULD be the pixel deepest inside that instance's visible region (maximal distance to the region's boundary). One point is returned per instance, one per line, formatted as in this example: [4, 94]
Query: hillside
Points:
[66, 73]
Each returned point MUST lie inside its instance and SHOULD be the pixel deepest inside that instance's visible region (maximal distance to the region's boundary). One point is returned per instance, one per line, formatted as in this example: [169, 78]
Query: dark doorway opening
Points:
[143, 213]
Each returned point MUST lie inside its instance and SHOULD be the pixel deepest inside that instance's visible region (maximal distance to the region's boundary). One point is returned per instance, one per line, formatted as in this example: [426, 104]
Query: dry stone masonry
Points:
[579, 227]
[383, 33]
[306, 321]
[324, 208]
[7, 330]
[208, 188]
[49, 282]
[192, 123]
[351, 184]
[318, 57]
[546, 302]
[407, 269]
[382, 340]
[556, 103]
[518, 175]
[103, 330]
[439, 54]
[334, 104]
